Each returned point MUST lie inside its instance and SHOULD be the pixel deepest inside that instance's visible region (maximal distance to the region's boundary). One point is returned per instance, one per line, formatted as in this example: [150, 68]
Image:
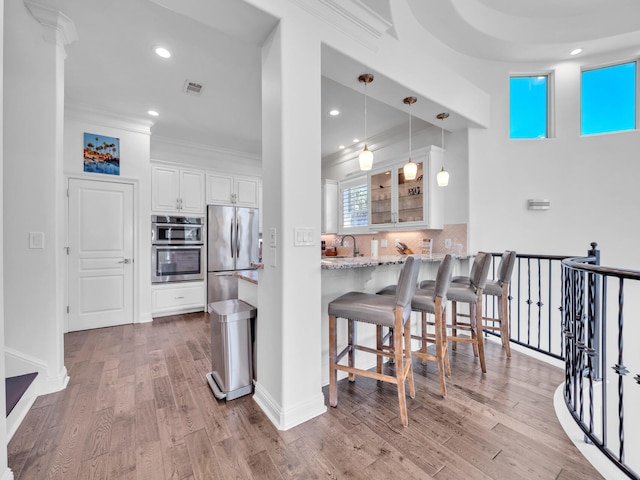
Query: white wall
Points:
[135, 168]
[32, 188]
[590, 181]
[4, 470]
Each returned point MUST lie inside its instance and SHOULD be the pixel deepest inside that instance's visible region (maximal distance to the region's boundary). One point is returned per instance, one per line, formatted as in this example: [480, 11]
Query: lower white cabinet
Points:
[174, 298]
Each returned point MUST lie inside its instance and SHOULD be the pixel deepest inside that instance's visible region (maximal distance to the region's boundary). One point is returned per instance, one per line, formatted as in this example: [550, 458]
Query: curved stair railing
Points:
[574, 310]
[602, 379]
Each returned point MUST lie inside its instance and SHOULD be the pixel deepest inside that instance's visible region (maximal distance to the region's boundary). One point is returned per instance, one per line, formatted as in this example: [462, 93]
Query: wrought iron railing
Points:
[573, 309]
[602, 385]
[535, 303]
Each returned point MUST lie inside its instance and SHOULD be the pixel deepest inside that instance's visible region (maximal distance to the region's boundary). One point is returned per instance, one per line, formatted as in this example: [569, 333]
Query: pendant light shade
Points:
[410, 169]
[366, 157]
[443, 176]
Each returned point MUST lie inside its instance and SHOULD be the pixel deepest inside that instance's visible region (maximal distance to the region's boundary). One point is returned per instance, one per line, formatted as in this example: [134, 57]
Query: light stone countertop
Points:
[337, 263]
[248, 275]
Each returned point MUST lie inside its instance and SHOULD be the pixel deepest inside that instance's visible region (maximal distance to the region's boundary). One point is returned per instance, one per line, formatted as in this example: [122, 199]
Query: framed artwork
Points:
[101, 154]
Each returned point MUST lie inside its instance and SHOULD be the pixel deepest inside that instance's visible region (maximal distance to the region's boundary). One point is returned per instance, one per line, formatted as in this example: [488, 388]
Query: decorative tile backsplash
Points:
[457, 233]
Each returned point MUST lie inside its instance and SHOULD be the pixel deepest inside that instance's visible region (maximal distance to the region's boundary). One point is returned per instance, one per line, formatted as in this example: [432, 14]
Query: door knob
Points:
[125, 261]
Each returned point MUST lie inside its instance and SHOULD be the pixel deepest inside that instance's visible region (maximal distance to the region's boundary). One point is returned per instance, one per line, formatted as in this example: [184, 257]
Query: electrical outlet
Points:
[447, 243]
[383, 243]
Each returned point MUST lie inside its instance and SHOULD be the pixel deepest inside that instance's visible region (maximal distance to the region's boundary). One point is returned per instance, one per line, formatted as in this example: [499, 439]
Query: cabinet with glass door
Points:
[397, 202]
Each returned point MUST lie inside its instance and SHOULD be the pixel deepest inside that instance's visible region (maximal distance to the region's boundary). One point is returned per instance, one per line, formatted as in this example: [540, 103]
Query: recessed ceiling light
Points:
[341, 147]
[162, 52]
[356, 140]
[153, 113]
[334, 112]
[576, 51]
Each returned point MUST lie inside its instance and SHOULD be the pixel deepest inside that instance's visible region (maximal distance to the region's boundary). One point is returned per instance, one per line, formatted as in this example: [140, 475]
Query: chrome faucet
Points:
[355, 249]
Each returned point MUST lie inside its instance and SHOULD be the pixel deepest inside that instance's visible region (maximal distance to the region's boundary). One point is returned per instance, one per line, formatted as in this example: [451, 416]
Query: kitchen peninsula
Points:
[363, 274]
[368, 274]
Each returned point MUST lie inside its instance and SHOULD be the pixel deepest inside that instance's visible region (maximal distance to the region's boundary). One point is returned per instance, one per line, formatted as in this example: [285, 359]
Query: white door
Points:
[100, 254]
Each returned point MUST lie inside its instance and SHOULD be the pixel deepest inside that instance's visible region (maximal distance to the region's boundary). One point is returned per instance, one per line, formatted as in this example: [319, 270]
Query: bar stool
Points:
[433, 302]
[498, 288]
[382, 311]
[472, 295]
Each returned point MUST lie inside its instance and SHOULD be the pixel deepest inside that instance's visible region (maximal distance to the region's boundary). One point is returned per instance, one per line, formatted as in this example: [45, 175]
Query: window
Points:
[608, 99]
[529, 102]
[354, 196]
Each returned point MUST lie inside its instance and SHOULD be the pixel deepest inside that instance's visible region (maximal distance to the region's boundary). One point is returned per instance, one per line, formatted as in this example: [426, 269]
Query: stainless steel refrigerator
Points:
[232, 245]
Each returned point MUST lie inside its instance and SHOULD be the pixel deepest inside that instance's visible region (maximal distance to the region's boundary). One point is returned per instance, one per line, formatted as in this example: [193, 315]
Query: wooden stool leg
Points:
[400, 374]
[352, 351]
[439, 346]
[479, 333]
[407, 358]
[423, 350]
[379, 334]
[445, 343]
[333, 373]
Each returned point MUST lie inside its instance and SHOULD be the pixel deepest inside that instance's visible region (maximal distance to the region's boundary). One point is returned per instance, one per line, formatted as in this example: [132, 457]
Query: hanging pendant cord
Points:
[365, 113]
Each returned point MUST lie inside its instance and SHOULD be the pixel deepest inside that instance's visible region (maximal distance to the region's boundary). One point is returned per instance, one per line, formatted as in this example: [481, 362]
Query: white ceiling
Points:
[112, 67]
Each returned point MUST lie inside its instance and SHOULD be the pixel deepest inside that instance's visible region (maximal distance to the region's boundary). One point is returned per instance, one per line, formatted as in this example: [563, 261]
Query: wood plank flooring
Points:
[138, 407]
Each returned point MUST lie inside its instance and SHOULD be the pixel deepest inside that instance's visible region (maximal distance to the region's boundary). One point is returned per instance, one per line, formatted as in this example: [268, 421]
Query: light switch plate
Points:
[303, 237]
[272, 238]
[36, 240]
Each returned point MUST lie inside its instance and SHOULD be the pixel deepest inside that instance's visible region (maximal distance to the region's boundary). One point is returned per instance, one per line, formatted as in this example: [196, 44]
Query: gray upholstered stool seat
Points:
[384, 312]
[366, 307]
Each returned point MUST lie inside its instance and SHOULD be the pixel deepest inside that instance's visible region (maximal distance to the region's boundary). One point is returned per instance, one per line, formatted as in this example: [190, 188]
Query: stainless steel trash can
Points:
[231, 348]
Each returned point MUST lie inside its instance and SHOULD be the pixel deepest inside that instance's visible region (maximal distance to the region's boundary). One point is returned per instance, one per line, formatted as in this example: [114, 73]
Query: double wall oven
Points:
[177, 249]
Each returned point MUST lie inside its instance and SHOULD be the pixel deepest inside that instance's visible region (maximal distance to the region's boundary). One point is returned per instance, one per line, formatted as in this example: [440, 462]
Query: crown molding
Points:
[58, 28]
[107, 118]
[347, 14]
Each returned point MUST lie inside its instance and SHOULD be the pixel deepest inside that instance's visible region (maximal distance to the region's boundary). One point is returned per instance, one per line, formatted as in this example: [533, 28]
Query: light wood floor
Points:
[138, 407]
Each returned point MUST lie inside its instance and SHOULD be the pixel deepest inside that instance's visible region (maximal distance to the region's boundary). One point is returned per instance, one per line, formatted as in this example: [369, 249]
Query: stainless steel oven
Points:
[166, 230]
[177, 263]
[177, 249]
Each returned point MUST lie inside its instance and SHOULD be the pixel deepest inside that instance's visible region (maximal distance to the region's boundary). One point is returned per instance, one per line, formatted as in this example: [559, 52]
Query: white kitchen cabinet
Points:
[329, 206]
[408, 204]
[174, 298]
[176, 190]
[232, 189]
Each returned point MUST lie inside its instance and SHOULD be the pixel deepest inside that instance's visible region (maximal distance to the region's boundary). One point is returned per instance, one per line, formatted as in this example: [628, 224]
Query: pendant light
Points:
[443, 176]
[410, 169]
[365, 157]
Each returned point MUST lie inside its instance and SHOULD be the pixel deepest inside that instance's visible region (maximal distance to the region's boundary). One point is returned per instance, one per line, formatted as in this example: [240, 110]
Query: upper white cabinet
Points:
[329, 206]
[175, 190]
[395, 202]
[230, 189]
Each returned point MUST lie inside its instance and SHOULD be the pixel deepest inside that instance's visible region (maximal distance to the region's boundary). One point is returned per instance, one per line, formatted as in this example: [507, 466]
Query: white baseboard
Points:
[19, 412]
[287, 418]
[8, 474]
[594, 456]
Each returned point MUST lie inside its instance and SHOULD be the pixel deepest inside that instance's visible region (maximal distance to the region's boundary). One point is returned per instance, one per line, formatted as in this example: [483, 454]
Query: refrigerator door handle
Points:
[231, 236]
[237, 238]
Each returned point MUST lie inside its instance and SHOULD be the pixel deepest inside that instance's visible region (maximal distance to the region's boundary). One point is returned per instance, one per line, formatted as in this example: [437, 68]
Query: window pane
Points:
[609, 99]
[354, 206]
[528, 107]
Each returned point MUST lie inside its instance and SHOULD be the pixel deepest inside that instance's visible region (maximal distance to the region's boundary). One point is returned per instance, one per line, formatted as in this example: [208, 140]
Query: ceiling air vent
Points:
[192, 87]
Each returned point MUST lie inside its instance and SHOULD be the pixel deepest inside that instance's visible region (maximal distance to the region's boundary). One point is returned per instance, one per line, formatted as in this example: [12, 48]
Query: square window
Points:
[354, 204]
[608, 99]
[528, 106]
